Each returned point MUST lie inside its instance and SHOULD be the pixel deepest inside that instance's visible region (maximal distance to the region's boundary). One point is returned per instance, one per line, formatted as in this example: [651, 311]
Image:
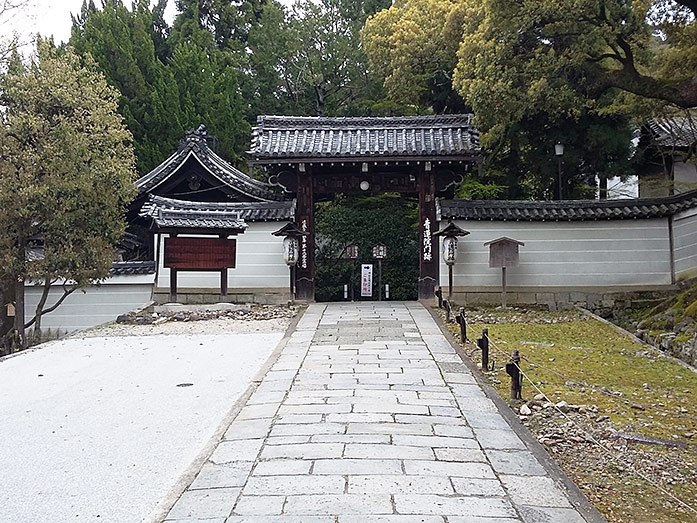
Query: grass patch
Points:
[625, 387]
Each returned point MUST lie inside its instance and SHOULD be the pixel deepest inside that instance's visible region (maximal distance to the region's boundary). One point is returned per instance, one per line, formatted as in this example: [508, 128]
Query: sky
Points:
[52, 17]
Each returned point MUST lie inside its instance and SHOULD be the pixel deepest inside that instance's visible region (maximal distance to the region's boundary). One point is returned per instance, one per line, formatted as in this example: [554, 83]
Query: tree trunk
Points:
[36, 338]
[20, 341]
[602, 192]
[7, 293]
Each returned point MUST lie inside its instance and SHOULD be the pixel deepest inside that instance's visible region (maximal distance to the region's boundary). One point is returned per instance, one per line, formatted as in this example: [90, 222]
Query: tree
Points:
[492, 53]
[66, 176]
[413, 46]
[129, 48]
[561, 57]
[325, 72]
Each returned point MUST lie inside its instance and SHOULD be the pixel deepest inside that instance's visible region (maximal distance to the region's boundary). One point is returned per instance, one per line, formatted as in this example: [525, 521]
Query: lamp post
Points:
[380, 253]
[290, 233]
[450, 233]
[559, 152]
[351, 252]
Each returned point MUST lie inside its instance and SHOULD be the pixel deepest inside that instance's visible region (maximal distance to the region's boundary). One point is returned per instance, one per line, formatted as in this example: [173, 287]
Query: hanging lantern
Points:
[449, 249]
[290, 250]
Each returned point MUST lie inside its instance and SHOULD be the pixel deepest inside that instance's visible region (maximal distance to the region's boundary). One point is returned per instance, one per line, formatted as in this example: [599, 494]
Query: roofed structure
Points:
[679, 132]
[569, 210]
[293, 138]
[221, 175]
[168, 213]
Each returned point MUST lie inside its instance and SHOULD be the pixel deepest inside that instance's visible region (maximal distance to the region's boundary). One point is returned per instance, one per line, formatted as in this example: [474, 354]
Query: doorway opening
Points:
[366, 221]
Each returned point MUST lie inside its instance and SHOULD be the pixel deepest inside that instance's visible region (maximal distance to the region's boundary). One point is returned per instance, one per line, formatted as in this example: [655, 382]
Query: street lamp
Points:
[450, 234]
[559, 152]
[380, 253]
[290, 233]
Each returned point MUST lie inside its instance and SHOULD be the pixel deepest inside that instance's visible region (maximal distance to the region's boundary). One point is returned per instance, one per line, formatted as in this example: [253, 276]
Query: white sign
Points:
[428, 248]
[303, 249]
[367, 279]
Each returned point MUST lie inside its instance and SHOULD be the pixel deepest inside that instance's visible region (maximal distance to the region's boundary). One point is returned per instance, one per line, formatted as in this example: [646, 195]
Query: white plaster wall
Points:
[259, 263]
[685, 244]
[566, 255]
[94, 306]
[684, 176]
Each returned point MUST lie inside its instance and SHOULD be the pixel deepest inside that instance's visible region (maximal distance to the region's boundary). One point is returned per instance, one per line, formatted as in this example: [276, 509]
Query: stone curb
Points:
[164, 506]
[576, 497]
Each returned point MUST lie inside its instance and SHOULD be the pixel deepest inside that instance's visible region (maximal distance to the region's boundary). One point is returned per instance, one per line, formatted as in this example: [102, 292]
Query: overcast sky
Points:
[52, 17]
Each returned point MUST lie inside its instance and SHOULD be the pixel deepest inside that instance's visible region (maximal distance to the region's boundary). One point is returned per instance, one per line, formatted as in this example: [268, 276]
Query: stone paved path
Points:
[369, 415]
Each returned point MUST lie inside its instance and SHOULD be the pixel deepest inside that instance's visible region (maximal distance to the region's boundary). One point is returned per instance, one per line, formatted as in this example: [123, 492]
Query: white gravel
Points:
[96, 429]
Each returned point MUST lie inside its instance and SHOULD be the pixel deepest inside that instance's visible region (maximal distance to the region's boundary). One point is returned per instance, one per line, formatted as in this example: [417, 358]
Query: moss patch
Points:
[586, 362]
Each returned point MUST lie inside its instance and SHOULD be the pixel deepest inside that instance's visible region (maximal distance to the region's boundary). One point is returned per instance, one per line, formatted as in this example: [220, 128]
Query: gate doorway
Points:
[389, 219]
[316, 159]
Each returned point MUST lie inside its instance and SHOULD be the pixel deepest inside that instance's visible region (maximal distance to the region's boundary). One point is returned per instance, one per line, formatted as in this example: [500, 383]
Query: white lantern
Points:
[449, 249]
[290, 250]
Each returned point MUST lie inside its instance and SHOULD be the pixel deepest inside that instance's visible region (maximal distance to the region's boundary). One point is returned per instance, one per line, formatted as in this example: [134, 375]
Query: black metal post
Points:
[379, 279]
[559, 176]
[483, 343]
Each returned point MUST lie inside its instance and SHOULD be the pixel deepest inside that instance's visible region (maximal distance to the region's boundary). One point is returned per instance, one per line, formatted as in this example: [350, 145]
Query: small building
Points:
[213, 210]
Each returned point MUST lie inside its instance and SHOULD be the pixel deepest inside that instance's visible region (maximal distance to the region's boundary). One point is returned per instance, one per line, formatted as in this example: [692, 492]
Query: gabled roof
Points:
[568, 210]
[426, 137]
[195, 144]
[678, 132]
[168, 213]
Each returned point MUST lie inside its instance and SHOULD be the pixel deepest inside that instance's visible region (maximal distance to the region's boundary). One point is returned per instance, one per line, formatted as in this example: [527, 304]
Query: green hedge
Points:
[366, 221]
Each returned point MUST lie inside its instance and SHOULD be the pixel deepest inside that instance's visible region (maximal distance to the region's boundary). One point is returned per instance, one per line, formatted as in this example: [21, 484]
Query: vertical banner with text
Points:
[367, 280]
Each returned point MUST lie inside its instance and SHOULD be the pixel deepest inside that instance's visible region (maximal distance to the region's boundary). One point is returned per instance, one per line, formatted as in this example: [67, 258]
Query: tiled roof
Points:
[677, 132]
[166, 212]
[195, 144]
[569, 210]
[132, 267]
[295, 137]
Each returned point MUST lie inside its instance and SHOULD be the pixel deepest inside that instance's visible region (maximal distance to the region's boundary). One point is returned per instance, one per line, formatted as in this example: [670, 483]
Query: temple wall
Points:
[565, 262]
[685, 244]
[260, 275]
[95, 305]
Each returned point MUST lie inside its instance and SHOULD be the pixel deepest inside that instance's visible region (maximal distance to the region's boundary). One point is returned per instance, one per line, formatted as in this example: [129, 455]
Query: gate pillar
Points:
[304, 215]
[428, 247]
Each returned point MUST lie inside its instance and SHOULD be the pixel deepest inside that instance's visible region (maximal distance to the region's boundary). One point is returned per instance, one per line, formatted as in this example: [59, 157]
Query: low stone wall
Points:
[597, 300]
[191, 296]
[670, 343]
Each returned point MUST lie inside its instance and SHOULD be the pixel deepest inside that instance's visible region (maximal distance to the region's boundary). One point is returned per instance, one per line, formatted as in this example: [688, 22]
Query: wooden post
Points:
[439, 295]
[448, 311]
[428, 248]
[305, 271]
[223, 282]
[513, 370]
[173, 285]
[450, 282]
[503, 283]
[463, 325]
[483, 343]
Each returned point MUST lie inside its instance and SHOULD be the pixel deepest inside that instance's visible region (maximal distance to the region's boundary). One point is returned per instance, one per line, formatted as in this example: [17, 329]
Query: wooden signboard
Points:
[202, 254]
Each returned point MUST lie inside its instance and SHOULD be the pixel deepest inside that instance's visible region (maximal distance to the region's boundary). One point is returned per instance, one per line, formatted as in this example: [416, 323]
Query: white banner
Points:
[367, 279]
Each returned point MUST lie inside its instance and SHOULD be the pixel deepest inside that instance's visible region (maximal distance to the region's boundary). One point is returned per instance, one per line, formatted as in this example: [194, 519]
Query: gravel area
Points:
[101, 425]
[214, 326]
